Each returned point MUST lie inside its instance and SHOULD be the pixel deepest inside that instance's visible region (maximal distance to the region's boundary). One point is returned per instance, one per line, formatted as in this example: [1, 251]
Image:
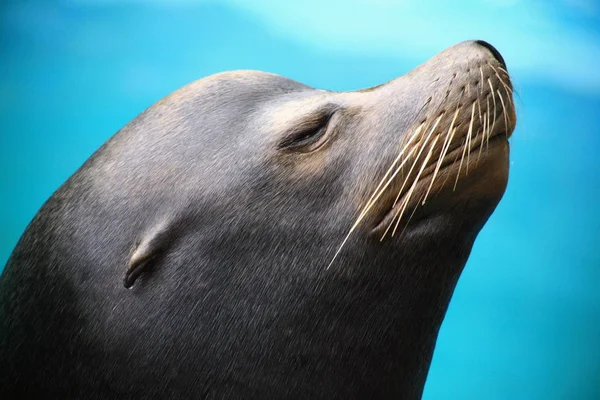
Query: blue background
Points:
[524, 322]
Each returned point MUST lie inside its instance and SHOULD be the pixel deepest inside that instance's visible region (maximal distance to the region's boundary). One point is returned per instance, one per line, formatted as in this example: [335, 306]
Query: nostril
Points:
[493, 50]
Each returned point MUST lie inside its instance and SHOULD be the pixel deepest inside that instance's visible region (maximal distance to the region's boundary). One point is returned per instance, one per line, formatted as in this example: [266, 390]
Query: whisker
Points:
[402, 204]
[423, 145]
[482, 80]
[496, 71]
[482, 137]
[405, 199]
[390, 169]
[509, 96]
[509, 91]
[498, 74]
[465, 146]
[503, 112]
[500, 68]
[493, 99]
[453, 162]
[445, 147]
[507, 88]
[380, 190]
[489, 126]
[412, 188]
[471, 136]
[376, 195]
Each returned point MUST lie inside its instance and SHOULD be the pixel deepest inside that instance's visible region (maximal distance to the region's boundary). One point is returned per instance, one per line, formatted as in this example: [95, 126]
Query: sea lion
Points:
[277, 241]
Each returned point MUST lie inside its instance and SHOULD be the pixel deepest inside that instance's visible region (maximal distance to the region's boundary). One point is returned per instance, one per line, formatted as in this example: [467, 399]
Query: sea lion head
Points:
[328, 222]
[425, 154]
[331, 179]
[278, 239]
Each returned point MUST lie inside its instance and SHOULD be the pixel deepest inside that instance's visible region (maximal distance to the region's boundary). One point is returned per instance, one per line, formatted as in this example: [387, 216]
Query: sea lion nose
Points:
[493, 50]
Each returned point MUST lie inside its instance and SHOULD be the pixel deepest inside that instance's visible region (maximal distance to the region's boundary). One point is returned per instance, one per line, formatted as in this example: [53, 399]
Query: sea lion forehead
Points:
[231, 84]
[250, 80]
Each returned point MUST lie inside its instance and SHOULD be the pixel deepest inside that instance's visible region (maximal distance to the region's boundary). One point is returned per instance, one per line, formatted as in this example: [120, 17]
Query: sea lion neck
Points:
[368, 324]
[374, 324]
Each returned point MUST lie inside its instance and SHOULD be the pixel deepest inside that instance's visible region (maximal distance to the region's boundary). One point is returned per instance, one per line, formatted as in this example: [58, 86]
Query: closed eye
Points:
[308, 134]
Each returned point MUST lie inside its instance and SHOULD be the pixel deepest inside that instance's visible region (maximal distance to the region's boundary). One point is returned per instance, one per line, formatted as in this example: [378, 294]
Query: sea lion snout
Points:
[460, 111]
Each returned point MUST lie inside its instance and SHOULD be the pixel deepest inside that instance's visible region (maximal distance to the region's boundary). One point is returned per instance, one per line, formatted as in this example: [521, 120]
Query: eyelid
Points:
[314, 125]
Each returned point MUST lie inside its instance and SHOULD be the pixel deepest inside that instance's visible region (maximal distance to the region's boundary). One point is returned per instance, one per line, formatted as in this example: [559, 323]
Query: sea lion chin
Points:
[277, 241]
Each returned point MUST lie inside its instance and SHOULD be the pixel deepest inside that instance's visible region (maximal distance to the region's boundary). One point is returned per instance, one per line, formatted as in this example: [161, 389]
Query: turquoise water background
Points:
[524, 322]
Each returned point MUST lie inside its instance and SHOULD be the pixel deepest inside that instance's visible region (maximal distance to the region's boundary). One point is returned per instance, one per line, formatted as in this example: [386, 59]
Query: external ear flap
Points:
[152, 244]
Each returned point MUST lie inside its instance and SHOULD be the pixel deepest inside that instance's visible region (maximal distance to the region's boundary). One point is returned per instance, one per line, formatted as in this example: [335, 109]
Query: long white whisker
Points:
[405, 200]
[412, 188]
[489, 126]
[402, 205]
[500, 68]
[369, 206]
[482, 137]
[507, 88]
[493, 94]
[498, 74]
[482, 80]
[503, 112]
[445, 147]
[371, 200]
[423, 145]
[466, 146]
[379, 190]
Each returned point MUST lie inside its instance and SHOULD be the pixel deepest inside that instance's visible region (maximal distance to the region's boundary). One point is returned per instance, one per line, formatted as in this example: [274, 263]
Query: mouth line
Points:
[451, 159]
